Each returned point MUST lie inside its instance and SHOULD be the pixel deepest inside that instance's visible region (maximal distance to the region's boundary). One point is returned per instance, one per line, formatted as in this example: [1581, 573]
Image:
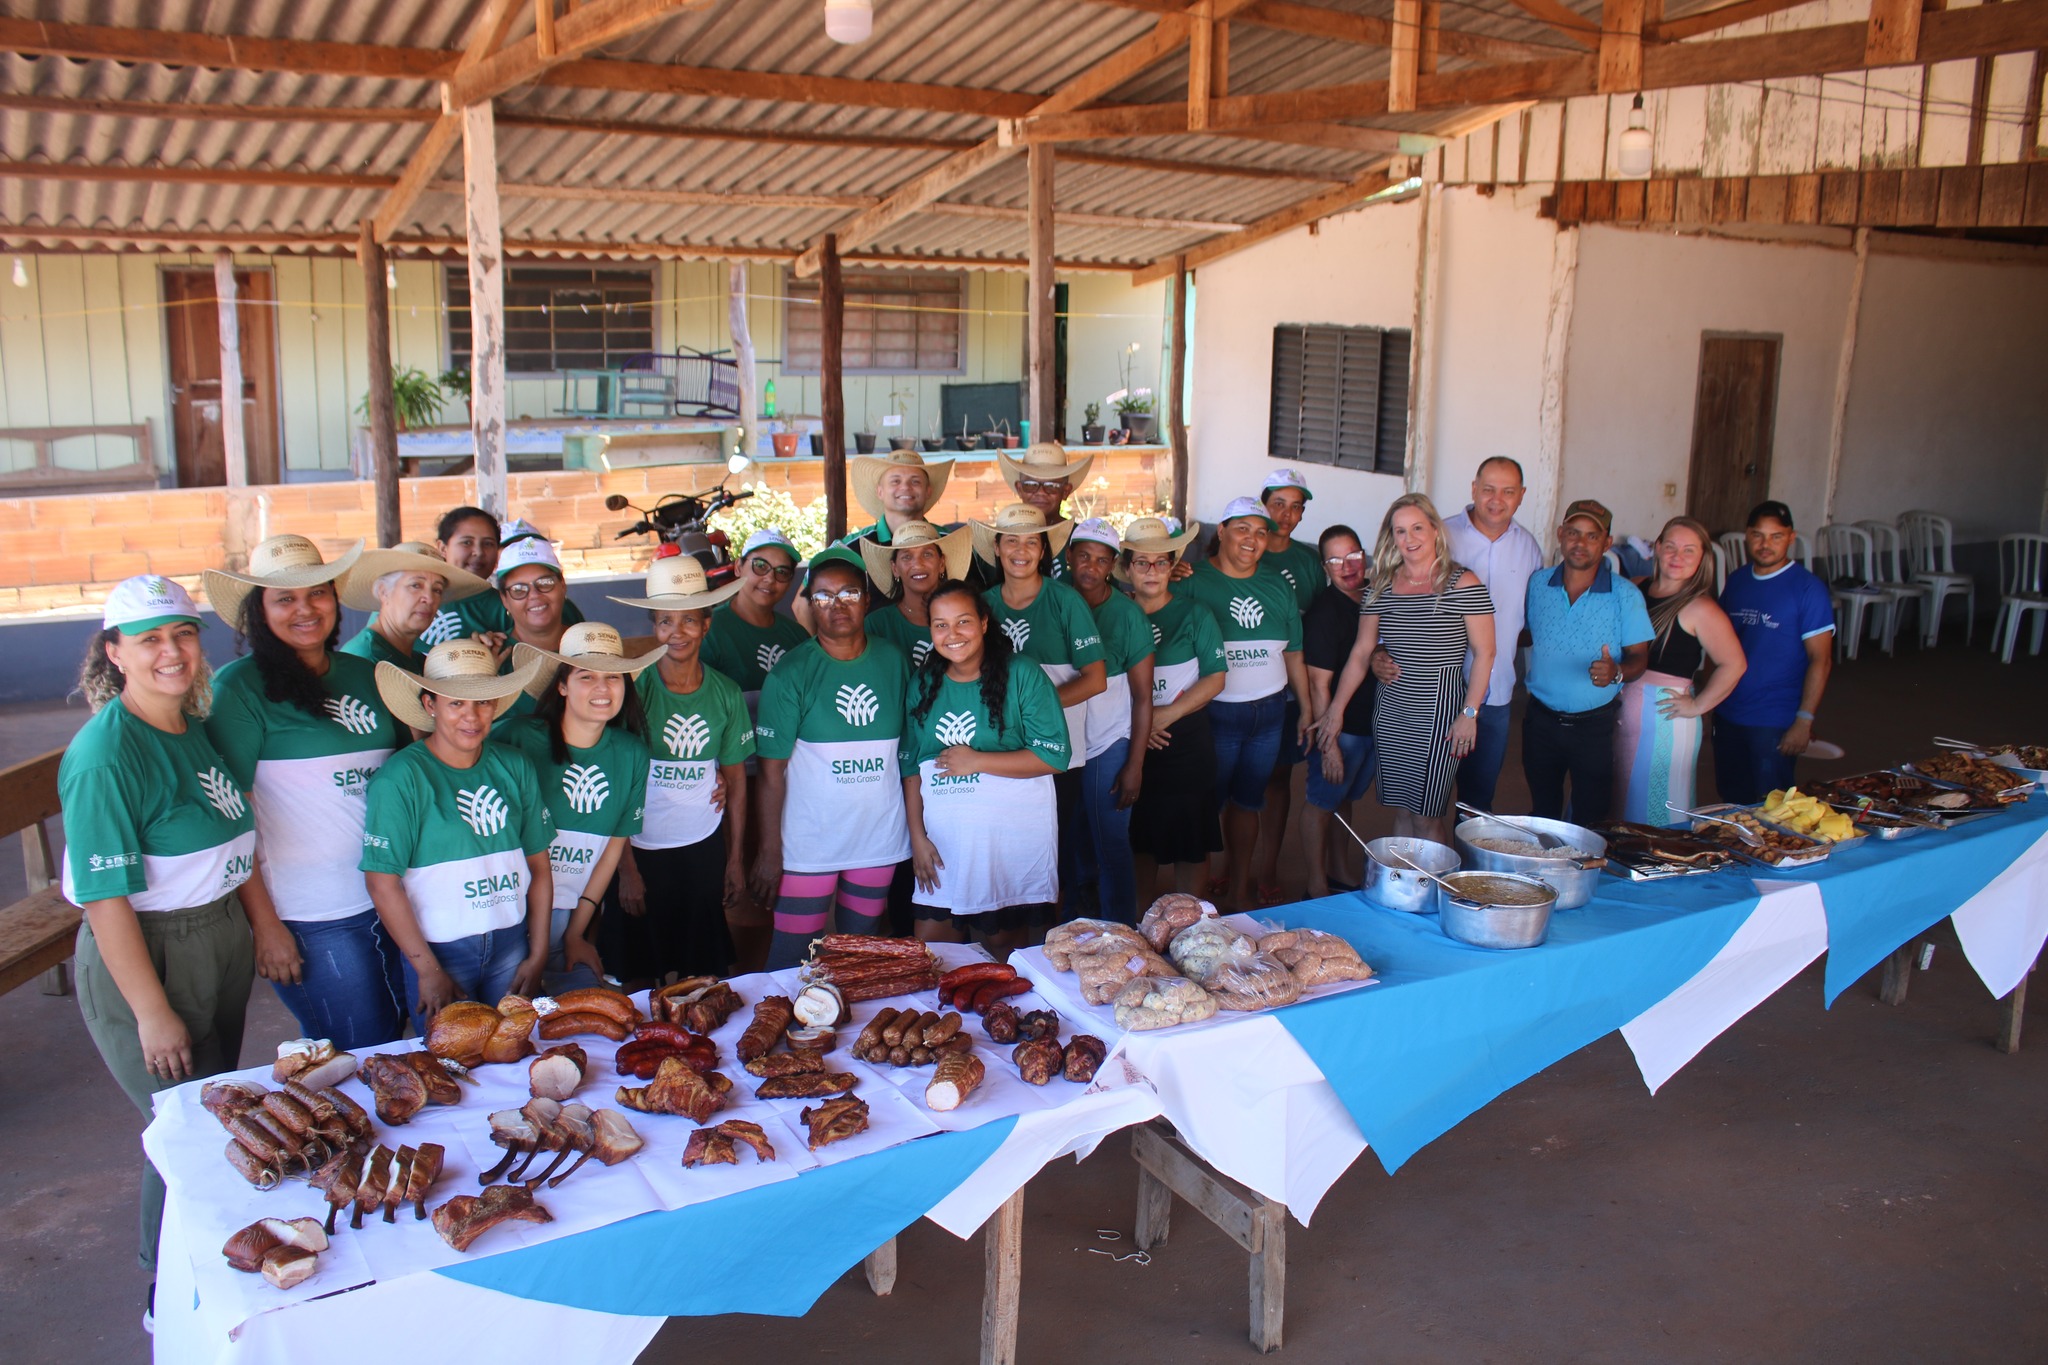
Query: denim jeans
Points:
[482, 967]
[1578, 745]
[1096, 874]
[1357, 753]
[1747, 764]
[1247, 739]
[560, 976]
[349, 984]
[1479, 773]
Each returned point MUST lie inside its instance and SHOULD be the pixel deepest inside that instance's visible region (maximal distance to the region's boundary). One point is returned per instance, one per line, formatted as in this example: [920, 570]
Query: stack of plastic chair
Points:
[1734, 549]
[1851, 571]
[2022, 567]
[1802, 550]
[1930, 552]
[1895, 579]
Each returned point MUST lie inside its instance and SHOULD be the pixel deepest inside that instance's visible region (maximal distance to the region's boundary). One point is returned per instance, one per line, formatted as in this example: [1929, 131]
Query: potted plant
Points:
[1133, 405]
[864, 440]
[784, 440]
[966, 441]
[935, 441]
[455, 383]
[415, 399]
[899, 408]
[1091, 425]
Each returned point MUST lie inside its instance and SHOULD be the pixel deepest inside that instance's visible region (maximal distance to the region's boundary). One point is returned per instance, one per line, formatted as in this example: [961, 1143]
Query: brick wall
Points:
[64, 553]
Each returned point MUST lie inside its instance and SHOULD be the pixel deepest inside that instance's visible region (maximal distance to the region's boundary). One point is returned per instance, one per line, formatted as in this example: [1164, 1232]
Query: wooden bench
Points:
[37, 931]
[44, 476]
[1898, 975]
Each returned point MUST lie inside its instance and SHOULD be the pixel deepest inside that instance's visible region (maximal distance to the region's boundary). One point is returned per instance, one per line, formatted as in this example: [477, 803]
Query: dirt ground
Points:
[1862, 1183]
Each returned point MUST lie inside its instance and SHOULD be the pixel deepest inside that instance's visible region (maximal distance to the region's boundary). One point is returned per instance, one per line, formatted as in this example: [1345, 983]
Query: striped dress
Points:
[1412, 718]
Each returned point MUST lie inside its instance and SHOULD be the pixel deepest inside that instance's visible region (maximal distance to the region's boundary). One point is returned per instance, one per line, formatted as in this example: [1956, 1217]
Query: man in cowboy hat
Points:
[404, 586]
[896, 488]
[1044, 478]
[456, 836]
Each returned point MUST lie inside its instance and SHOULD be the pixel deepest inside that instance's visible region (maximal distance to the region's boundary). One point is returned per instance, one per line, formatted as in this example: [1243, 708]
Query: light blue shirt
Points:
[1504, 566]
[1565, 636]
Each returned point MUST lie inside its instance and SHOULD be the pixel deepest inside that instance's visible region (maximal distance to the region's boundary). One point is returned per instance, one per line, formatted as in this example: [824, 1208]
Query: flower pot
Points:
[1091, 436]
[864, 443]
[931, 443]
[817, 445]
[1143, 427]
[1012, 442]
[966, 442]
[903, 443]
[785, 444]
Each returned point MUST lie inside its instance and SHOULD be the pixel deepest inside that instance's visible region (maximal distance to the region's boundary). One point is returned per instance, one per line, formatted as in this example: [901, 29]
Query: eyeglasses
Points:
[767, 568]
[845, 597]
[546, 583]
[1042, 485]
[1343, 561]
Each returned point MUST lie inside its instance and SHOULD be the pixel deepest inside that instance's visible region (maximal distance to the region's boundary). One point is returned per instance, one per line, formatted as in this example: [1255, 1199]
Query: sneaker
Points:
[149, 1312]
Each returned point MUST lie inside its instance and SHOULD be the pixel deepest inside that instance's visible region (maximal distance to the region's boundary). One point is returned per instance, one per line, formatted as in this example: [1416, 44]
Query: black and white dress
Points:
[1411, 723]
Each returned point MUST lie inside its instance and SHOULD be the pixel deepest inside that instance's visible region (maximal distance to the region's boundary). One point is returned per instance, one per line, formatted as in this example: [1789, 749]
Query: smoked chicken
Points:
[835, 1121]
[467, 1217]
[678, 1089]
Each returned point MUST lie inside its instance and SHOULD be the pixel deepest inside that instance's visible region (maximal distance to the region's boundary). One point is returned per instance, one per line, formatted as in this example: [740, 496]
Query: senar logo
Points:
[686, 736]
[1246, 611]
[585, 786]
[351, 715]
[445, 626]
[920, 650]
[483, 810]
[769, 655]
[221, 793]
[857, 704]
[955, 727]
[1019, 631]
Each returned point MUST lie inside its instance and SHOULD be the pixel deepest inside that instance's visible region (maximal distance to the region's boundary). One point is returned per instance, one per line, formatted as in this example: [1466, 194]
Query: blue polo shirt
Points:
[1774, 617]
[1565, 636]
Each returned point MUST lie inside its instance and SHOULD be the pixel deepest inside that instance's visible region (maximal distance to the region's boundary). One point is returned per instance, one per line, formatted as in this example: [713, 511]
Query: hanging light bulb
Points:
[849, 21]
[20, 273]
[1634, 157]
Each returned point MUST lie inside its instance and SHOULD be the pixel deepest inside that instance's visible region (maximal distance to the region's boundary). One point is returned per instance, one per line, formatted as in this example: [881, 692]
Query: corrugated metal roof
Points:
[1012, 45]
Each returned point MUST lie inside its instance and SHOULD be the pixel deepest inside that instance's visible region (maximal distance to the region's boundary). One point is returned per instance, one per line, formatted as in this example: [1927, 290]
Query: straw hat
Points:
[865, 477]
[1156, 536]
[1018, 519]
[1045, 461]
[588, 644]
[956, 545]
[285, 561]
[677, 583]
[411, 556]
[459, 669]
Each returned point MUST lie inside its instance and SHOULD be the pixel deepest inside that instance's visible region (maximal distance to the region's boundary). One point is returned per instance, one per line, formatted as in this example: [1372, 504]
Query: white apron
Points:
[998, 838]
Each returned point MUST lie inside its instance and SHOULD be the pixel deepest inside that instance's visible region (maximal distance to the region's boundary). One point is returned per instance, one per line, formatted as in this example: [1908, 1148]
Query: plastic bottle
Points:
[768, 398]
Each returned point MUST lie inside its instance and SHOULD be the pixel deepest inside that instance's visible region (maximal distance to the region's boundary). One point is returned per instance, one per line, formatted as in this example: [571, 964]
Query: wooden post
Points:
[1894, 35]
[1176, 382]
[1897, 976]
[743, 352]
[234, 445]
[383, 411]
[880, 1267]
[1845, 368]
[1003, 1269]
[1045, 423]
[2008, 1032]
[1202, 65]
[831, 386]
[1421, 452]
[486, 306]
[1404, 63]
[1621, 46]
[1547, 468]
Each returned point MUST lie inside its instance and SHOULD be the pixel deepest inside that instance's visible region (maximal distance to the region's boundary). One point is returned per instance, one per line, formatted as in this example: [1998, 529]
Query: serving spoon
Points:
[1543, 837]
[1748, 835]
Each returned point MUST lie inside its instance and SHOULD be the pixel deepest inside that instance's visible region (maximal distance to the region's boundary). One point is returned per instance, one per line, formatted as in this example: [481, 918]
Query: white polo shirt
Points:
[1504, 566]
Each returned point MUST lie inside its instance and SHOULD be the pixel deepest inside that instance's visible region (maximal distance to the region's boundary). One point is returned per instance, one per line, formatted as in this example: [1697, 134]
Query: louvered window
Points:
[1340, 397]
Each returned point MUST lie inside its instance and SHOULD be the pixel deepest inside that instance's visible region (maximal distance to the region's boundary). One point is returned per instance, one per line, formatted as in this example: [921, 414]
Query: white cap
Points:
[517, 528]
[1285, 478]
[145, 602]
[534, 549]
[1098, 530]
[768, 535]
[1245, 507]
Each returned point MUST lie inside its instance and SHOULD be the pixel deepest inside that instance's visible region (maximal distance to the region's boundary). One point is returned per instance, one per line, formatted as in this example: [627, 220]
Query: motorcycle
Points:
[679, 520]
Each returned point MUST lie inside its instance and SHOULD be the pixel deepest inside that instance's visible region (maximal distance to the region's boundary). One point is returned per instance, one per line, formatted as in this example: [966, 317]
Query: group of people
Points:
[948, 730]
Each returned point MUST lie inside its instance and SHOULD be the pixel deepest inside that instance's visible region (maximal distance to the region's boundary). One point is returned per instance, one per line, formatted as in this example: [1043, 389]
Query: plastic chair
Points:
[1930, 553]
[2022, 565]
[1802, 550]
[1851, 572]
[1734, 550]
[1720, 566]
[1893, 578]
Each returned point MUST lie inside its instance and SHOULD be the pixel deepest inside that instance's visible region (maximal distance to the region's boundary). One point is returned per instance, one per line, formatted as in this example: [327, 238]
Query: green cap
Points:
[834, 554]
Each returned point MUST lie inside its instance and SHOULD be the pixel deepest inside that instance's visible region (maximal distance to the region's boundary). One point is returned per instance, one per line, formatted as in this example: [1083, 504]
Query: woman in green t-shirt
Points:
[303, 731]
[157, 838]
[981, 743]
[915, 561]
[405, 587]
[587, 738]
[747, 636]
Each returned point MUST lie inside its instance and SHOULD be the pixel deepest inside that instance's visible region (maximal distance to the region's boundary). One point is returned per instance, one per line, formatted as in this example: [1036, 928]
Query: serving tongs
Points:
[1545, 840]
[1943, 741]
[1747, 835]
[1866, 808]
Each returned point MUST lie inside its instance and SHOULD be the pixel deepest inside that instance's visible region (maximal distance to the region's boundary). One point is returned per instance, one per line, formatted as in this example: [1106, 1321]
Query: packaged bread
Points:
[1161, 1002]
[1259, 982]
[1086, 935]
[1207, 945]
[1316, 958]
[1112, 965]
[1322, 971]
[1169, 915]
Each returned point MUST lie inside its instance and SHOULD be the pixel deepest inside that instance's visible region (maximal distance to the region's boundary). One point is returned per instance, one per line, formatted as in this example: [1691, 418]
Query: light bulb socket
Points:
[849, 21]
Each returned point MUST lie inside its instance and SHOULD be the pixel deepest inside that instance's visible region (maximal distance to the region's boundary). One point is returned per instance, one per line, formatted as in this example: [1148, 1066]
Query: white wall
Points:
[1105, 315]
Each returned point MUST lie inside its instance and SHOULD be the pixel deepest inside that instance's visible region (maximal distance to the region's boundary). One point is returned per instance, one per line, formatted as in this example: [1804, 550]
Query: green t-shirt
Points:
[889, 623]
[306, 777]
[480, 615]
[1190, 647]
[595, 797]
[1032, 720]
[1301, 564]
[458, 837]
[368, 644]
[745, 652]
[1260, 624]
[1126, 641]
[838, 724]
[1058, 633]
[692, 735]
[151, 816]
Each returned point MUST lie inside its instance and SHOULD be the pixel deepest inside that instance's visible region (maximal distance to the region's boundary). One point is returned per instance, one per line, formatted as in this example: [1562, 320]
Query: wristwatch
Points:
[1470, 713]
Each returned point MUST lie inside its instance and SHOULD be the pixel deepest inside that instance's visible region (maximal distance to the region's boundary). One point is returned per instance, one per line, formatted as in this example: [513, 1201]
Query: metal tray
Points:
[2017, 791]
[1878, 823]
[1744, 853]
[1980, 804]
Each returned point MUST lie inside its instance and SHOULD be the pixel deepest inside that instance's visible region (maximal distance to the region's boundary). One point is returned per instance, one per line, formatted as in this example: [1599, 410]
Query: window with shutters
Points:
[897, 322]
[1340, 397]
[562, 317]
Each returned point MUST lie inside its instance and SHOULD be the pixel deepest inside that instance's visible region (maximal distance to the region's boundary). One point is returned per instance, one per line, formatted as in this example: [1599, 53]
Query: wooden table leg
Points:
[1898, 974]
[1269, 1274]
[1168, 1168]
[1003, 1249]
[2015, 1008]
[880, 1266]
[1155, 1210]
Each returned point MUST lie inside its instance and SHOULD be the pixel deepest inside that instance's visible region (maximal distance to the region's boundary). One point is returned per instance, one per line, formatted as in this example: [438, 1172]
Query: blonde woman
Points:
[1657, 738]
[1426, 611]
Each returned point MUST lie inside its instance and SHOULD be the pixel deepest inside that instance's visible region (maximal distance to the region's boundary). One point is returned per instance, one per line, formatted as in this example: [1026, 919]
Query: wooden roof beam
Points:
[486, 35]
[585, 28]
[1566, 21]
[1315, 21]
[1721, 16]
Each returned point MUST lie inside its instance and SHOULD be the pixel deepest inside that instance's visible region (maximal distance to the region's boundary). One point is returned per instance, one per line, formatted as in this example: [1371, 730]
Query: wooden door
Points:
[192, 322]
[1733, 417]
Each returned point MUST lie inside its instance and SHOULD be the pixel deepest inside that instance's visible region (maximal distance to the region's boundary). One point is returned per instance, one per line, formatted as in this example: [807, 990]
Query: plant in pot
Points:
[1133, 405]
[899, 408]
[783, 439]
[864, 439]
[935, 441]
[1091, 425]
[455, 384]
[966, 440]
[415, 399]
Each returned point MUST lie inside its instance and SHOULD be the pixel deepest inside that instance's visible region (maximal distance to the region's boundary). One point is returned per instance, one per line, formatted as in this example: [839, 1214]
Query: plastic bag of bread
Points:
[1161, 1002]
[1201, 948]
[1086, 935]
[1112, 964]
[1259, 982]
[1169, 915]
[1316, 958]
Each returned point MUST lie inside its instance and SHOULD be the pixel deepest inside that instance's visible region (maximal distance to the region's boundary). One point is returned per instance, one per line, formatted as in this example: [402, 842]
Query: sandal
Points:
[1217, 890]
[1270, 896]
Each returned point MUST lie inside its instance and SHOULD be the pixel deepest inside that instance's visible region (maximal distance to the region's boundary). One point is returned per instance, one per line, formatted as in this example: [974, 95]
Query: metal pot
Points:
[1390, 884]
[1575, 885]
[1485, 925]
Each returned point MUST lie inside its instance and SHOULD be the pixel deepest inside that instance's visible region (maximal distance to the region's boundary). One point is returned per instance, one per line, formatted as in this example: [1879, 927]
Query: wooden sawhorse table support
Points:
[1167, 1167]
[1898, 974]
[1002, 1239]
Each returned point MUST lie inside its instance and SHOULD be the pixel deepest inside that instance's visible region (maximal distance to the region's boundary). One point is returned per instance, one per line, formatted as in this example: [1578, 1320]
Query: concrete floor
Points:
[1857, 1183]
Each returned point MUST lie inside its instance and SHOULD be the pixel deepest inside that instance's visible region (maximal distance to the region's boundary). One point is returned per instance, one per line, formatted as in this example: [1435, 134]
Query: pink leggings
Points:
[804, 904]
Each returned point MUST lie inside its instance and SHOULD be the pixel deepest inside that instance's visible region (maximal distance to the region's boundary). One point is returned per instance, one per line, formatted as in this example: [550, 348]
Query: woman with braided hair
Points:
[981, 742]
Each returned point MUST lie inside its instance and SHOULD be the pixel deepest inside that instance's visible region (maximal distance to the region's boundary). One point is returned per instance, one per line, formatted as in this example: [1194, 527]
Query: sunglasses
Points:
[768, 568]
[546, 583]
[1043, 485]
[1339, 561]
[845, 597]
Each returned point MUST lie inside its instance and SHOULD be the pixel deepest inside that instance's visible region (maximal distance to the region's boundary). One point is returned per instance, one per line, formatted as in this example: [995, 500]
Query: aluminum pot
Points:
[1389, 883]
[1575, 885]
[1496, 926]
